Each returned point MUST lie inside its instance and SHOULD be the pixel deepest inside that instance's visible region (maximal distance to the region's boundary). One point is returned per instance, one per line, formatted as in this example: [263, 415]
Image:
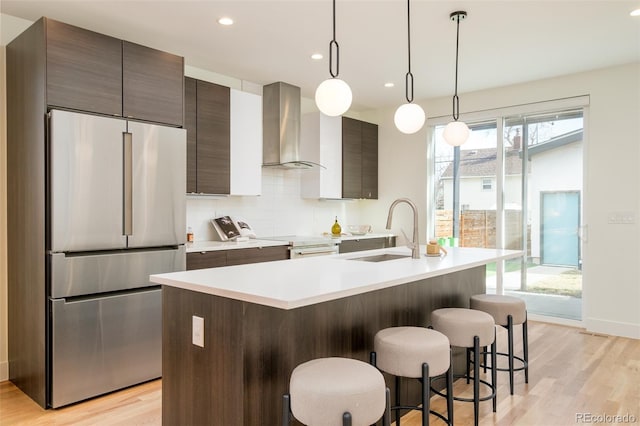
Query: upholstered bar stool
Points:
[507, 311]
[467, 328]
[336, 391]
[418, 353]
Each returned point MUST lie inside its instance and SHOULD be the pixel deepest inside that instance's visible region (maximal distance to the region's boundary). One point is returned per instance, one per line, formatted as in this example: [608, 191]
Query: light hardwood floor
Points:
[571, 372]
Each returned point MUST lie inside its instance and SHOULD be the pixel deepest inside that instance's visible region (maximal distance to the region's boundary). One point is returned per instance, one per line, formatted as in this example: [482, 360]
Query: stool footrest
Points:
[525, 364]
[458, 398]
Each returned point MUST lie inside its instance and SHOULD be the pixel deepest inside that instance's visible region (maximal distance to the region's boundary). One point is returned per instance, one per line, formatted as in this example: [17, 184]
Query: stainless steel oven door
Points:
[302, 252]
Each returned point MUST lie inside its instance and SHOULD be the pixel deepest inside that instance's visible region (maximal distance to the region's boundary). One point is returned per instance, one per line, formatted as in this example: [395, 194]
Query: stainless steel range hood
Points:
[281, 127]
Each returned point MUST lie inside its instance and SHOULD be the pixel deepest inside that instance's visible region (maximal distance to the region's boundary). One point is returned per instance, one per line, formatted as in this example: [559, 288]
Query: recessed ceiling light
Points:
[389, 84]
[635, 12]
[225, 21]
[317, 56]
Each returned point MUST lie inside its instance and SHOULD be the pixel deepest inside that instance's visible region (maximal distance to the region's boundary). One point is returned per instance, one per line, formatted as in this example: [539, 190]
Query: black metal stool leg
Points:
[286, 409]
[469, 362]
[484, 358]
[525, 346]
[426, 394]
[476, 379]
[397, 400]
[510, 350]
[346, 419]
[450, 390]
[386, 420]
[494, 371]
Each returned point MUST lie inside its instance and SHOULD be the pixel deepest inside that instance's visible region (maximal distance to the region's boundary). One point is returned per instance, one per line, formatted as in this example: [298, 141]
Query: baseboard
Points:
[613, 328]
[4, 371]
[555, 320]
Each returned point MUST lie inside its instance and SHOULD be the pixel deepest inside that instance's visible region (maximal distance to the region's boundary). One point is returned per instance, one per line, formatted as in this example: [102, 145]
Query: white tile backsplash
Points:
[278, 211]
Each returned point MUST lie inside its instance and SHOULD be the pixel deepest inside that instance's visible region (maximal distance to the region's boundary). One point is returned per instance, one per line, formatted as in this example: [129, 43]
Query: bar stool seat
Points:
[460, 325]
[507, 311]
[500, 307]
[332, 391]
[419, 353]
[470, 329]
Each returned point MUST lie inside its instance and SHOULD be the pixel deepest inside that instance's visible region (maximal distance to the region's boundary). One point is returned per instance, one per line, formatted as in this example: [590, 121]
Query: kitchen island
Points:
[262, 320]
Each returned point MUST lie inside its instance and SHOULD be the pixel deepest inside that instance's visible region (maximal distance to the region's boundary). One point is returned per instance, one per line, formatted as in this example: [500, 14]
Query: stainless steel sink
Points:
[380, 257]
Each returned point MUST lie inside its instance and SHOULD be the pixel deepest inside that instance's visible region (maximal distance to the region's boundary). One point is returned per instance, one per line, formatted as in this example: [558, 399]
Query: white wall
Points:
[611, 295]
[278, 211]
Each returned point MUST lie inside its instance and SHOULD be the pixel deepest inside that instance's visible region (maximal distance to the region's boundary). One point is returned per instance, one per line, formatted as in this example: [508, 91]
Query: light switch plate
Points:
[621, 218]
[197, 331]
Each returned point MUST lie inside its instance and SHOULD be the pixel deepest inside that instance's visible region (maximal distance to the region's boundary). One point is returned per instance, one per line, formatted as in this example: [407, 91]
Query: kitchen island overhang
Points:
[262, 320]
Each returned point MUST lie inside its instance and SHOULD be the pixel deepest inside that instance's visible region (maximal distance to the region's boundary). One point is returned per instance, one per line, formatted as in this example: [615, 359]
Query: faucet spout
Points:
[415, 244]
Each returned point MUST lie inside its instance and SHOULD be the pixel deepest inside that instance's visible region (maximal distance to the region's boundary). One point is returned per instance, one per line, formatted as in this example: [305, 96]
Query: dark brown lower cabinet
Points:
[348, 246]
[217, 258]
[239, 376]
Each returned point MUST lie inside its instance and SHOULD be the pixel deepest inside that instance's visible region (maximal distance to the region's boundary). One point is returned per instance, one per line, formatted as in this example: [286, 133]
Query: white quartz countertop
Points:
[289, 284]
[200, 246]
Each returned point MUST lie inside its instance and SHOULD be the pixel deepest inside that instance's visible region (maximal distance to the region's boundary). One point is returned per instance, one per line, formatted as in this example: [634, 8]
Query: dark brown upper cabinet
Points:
[190, 124]
[369, 160]
[152, 84]
[84, 69]
[349, 156]
[208, 124]
[88, 71]
[359, 159]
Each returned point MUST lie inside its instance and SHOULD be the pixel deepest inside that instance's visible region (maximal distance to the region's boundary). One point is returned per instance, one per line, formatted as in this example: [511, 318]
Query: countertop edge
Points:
[249, 297]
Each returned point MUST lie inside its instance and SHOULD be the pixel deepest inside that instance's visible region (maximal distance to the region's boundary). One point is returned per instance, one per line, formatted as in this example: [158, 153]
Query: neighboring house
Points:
[478, 180]
[554, 186]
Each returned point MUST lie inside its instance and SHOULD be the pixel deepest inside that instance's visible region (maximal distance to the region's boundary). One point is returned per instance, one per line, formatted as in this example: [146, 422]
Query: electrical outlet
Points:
[197, 331]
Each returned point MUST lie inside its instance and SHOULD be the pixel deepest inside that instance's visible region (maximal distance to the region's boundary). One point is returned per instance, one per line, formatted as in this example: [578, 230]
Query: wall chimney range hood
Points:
[281, 127]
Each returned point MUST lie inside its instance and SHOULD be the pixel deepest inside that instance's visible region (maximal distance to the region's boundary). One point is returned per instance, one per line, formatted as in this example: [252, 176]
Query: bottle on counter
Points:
[189, 235]
[336, 229]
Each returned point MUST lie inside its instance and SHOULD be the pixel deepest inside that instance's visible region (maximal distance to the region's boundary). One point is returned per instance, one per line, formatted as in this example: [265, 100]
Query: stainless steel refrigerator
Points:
[116, 215]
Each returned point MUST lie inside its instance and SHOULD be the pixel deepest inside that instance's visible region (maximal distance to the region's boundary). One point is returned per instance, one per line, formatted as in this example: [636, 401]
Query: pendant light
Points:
[333, 96]
[456, 132]
[409, 117]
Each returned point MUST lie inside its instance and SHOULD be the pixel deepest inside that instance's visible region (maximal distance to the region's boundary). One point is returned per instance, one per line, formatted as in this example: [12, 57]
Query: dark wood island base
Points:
[240, 375]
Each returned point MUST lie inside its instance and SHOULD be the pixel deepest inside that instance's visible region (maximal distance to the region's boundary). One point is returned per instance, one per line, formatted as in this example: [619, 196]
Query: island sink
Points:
[380, 257]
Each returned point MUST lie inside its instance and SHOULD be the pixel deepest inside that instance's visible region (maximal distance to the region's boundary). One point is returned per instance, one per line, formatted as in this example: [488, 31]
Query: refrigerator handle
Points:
[127, 180]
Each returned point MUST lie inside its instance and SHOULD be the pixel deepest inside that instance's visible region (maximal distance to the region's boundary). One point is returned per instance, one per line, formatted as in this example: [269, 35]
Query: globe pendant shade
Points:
[333, 97]
[456, 133]
[409, 118]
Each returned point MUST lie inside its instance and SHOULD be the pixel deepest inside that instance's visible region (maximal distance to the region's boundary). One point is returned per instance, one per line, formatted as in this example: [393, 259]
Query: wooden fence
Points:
[478, 228]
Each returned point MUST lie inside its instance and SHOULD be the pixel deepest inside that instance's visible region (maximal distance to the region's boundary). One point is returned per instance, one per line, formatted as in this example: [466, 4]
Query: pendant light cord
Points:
[334, 44]
[456, 100]
[408, 79]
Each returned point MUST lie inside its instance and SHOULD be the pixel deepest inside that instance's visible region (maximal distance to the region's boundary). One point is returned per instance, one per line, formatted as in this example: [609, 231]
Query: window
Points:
[487, 184]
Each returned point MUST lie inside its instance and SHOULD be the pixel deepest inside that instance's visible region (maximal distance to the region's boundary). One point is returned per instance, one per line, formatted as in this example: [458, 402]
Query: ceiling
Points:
[501, 42]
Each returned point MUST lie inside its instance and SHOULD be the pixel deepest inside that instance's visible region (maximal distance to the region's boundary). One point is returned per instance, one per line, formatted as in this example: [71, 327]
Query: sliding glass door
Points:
[549, 277]
[517, 184]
